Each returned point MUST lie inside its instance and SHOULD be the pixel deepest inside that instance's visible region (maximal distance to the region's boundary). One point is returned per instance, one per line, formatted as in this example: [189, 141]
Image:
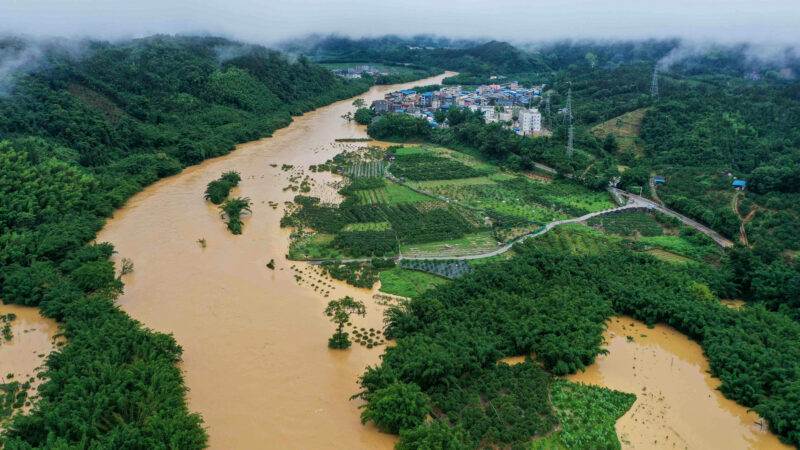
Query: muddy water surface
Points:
[677, 403]
[255, 342]
[32, 340]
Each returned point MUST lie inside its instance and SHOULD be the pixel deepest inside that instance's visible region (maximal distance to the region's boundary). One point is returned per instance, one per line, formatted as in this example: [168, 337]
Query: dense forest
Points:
[81, 135]
[553, 305]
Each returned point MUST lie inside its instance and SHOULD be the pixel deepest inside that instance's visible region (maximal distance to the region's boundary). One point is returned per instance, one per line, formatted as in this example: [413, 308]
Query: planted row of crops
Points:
[628, 224]
[449, 269]
[366, 243]
[424, 166]
[570, 198]
[413, 225]
[366, 169]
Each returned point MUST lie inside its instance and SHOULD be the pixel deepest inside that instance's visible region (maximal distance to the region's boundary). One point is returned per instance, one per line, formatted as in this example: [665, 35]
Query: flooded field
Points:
[677, 403]
[255, 340]
[32, 340]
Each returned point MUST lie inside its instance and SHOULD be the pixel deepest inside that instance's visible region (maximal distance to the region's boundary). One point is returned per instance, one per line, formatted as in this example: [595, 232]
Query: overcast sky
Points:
[266, 21]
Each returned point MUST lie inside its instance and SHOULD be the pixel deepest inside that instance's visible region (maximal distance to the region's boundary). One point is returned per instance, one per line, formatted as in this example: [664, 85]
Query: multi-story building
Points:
[530, 121]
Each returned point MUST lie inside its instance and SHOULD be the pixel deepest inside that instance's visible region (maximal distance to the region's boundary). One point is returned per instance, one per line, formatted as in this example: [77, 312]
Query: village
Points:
[508, 103]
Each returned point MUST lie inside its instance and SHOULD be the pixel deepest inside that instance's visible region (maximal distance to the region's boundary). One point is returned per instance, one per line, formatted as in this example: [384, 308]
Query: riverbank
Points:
[255, 354]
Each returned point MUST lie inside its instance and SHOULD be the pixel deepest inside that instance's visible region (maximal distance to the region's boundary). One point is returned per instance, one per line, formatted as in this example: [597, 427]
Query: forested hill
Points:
[79, 135]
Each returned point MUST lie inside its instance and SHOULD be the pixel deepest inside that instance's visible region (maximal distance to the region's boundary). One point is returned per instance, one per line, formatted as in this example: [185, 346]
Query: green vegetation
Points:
[339, 312]
[587, 415]
[217, 191]
[628, 224]
[6, 320]
[424, 166]
[390, 194]
[353, 273]
[398, 406]
[232, 209]
[83, 136]
[408, 283]
[624, 131]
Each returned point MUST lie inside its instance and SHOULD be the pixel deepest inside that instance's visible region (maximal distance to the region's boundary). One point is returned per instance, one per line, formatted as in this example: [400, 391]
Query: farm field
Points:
[391, 194]
[684, 247]
[627, 223]
[470, 244]
[408, 283]
[575, 238]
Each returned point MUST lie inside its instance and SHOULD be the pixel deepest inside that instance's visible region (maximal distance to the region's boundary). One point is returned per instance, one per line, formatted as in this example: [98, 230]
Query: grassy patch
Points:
[667, 256]
[625, 128]
[587, 415]
[683, 246]
[367, 226]
[575, 238]
[317, 246]
[408, 283]
[470, 244]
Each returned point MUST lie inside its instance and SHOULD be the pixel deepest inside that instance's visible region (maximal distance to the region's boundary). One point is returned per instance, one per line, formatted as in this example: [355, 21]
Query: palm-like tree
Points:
[233, 208]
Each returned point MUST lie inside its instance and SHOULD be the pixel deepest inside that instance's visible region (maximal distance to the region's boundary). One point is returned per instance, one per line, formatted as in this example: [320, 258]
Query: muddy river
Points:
[677, 403]
[31, 341]
[255, 341]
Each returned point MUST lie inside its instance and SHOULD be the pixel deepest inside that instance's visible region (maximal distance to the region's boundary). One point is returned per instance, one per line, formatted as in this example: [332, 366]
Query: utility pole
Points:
[569, 141]
[654, 85]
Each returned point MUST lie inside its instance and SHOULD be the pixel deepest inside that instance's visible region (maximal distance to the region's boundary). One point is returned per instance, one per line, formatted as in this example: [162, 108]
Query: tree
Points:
[348, 116]
[339, 311]
[397, 407]
[359, 103]
[437, 434]
[610, 143]
[364, 116]
[233, 208]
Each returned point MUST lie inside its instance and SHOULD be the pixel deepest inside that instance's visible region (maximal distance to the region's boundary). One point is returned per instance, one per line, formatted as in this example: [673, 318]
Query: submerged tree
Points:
[233, 208]
[339, 311]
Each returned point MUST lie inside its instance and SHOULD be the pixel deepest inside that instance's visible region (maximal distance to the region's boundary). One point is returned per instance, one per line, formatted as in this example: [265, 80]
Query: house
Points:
[740, 185]
[380, 106]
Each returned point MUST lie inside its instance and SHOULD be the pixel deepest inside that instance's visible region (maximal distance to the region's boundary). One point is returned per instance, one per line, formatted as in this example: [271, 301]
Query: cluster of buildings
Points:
[358, 71]
[508, 103]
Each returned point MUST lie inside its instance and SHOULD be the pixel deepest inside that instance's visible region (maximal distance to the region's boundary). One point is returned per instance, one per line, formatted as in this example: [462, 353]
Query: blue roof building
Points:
[659, 180]
[739, 183]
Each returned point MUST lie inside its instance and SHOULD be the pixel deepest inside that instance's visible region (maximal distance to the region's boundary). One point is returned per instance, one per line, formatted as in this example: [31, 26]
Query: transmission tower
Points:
[568, 109]
[570, 136]
[568, 119]
[654, 85]
[547, 113]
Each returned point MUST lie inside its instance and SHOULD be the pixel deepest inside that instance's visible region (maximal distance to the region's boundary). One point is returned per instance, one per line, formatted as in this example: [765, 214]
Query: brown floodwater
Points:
[255, 340]
[32, 340]
[678, 404]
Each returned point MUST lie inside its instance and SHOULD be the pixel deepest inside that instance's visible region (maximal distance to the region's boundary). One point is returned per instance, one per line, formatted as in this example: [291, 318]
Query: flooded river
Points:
[255, 342]
[677, 403]
[32, 340]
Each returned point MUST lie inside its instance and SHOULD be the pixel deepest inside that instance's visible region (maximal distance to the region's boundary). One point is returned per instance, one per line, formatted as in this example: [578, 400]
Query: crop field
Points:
[367, 226]
[368, 169]
[560, 195]
[408, 283]
[628, 224]
[684, 247]
[574, 238]
[390, 194]
[470, 244]
[449, 269]
[492, 198]
[511, 232]
[427, 166]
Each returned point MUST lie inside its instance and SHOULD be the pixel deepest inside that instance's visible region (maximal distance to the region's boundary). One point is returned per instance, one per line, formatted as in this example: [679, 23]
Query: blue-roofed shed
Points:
[740, 184]
[659, 179]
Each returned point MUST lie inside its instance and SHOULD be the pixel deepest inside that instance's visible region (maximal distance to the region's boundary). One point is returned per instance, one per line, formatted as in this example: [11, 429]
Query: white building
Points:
[530, 121]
